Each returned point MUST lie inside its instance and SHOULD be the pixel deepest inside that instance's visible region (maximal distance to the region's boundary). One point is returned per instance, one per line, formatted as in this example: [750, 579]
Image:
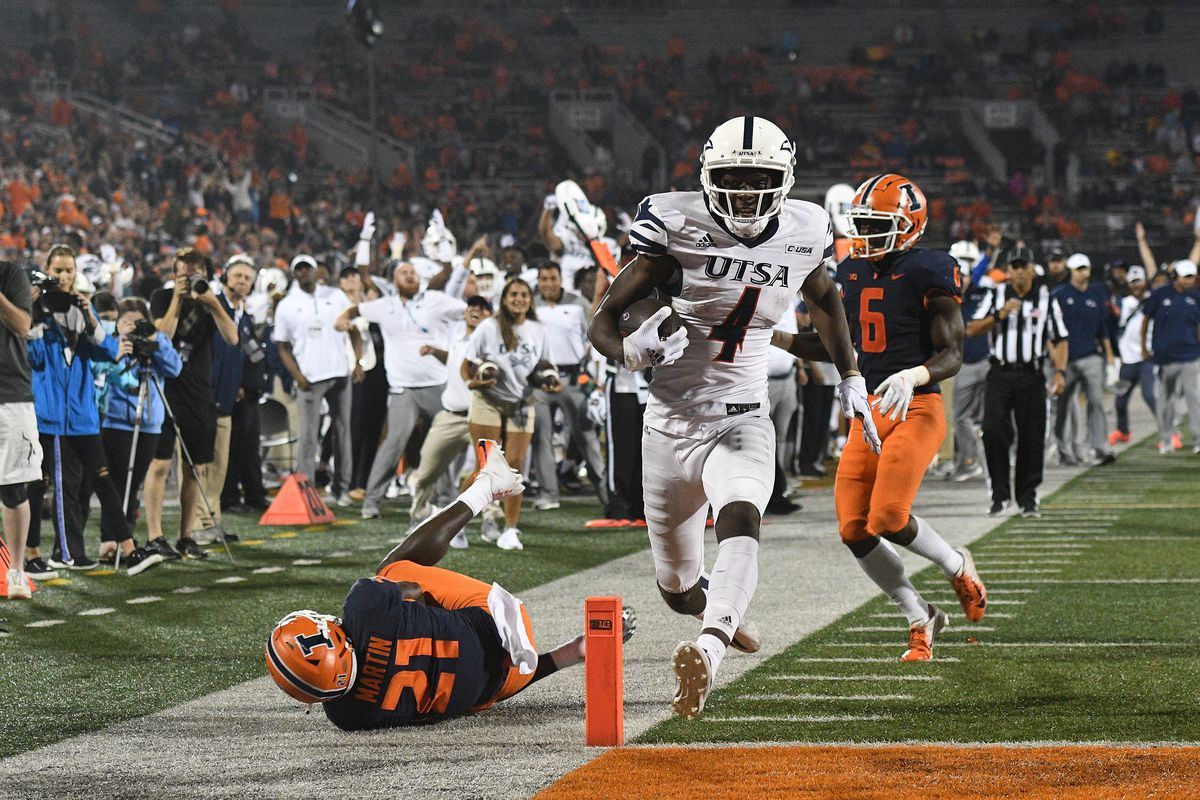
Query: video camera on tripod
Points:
[143, 340]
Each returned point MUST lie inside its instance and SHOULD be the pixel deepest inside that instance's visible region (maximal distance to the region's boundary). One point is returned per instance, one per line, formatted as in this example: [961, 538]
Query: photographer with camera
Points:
[20, 450]
[150, 352]
[66, 338]
[191, 315]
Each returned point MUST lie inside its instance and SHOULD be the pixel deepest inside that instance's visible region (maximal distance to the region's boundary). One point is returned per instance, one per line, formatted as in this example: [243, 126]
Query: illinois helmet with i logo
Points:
[888, 215]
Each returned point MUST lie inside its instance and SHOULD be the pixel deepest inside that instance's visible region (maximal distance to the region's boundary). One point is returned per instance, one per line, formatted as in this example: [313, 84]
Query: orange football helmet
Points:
[888, 215]
[310, 657]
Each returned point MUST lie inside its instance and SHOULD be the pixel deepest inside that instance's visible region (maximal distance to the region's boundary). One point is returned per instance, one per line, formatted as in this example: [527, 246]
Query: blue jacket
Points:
[64, 395]
[122, 403]
[227, 361]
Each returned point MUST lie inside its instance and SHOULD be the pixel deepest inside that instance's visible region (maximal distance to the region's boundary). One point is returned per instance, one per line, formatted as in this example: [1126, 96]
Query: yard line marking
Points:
[986, 571]
[339, 554]
[188, 590]
[1116, 581]
[805, 696]
[854, 677]
[306, 562]
[230, 579]
[1022, 644]
[901, 617]
[284, 535]
[935, 589]
[96, 612]
[862, 659]
[794, 718]
[992, 601]
[45, 623]
[894, 628]
[1025, 562]
[140, 601]
[266, 570]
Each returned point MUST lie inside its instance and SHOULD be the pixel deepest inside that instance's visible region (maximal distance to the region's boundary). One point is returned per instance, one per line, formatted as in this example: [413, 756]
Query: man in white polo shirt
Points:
[408, 320]
[314, 353]
[565, 317]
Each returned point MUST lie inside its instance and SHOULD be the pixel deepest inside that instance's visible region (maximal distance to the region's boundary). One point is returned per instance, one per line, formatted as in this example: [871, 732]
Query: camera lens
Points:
[199, 284]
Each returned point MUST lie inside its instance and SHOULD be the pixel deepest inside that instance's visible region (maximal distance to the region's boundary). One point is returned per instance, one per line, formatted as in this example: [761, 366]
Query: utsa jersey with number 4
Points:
[416, 663]
[729, 294]
[885, 304]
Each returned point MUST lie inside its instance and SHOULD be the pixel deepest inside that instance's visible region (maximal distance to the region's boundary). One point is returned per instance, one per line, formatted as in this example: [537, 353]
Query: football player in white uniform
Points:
[731, 258]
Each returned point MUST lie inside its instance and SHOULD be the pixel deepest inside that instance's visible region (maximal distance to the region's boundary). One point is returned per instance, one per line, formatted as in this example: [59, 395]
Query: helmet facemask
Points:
[873, 233]
[743, 221]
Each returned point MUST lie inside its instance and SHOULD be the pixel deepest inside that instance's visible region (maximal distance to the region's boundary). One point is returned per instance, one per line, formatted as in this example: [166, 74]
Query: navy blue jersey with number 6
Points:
[886, 305]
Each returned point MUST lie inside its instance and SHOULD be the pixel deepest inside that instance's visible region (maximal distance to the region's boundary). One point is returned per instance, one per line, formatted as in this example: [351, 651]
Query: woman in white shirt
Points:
[514, 342]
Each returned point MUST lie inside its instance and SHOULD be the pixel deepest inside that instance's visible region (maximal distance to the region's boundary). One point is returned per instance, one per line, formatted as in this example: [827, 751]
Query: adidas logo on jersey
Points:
[705, 241]
[726, 620]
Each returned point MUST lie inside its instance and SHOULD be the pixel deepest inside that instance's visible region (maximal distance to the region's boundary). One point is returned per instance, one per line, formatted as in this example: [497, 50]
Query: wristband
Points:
[851, 373]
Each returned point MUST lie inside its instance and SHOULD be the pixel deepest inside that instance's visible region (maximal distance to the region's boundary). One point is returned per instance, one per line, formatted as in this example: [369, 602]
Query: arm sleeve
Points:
[372, 310]
[987, 304]
[166, 359]
[648, 235]
[981, 269]
[1057, 330]
[283, 328]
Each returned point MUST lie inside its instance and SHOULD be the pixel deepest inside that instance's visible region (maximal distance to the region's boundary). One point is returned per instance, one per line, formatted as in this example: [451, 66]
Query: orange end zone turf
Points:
[893, 772]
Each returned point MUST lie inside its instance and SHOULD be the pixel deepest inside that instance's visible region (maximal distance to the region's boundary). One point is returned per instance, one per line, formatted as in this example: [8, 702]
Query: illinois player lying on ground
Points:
[418, 644]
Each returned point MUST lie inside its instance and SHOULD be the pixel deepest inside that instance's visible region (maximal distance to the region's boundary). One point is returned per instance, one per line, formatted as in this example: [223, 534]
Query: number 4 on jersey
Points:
[732, 332]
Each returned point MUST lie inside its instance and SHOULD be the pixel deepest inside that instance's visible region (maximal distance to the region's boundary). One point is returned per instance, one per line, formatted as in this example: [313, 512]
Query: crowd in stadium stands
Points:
[446, 273]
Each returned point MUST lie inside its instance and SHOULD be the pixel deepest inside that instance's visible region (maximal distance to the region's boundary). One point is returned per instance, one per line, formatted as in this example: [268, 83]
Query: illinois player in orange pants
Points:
[902, 304]
[417, 644]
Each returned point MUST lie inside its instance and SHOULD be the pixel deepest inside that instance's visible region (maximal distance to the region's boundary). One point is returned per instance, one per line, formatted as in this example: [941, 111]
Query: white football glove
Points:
[852, 395]
[896, 392]
[597, 408]
[362, 251]
[550, 203]
[645, 348]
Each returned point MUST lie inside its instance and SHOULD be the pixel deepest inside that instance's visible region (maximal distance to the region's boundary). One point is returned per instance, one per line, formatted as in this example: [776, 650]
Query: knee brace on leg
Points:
[862, 547]
[13, 494]
[690, 601]
[903, 537]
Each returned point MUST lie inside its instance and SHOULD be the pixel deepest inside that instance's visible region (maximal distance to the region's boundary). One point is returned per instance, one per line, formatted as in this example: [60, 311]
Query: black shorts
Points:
[197, 427]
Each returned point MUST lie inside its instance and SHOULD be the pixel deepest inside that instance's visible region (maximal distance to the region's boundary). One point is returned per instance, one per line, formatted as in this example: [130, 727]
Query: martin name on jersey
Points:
[729, 293]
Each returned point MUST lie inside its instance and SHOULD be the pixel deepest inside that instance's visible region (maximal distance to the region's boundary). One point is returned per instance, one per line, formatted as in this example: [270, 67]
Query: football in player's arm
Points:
[417, 644]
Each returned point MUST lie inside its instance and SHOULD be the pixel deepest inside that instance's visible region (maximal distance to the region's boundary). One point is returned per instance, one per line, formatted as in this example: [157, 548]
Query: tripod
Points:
[145, 379]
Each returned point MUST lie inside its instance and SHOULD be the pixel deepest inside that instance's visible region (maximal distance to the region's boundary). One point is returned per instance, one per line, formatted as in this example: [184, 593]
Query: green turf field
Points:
[204, 630]
[1094, 639]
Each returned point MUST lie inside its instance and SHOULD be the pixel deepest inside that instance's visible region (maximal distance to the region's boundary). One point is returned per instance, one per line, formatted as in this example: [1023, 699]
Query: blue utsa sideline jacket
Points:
[64, 394]
[122, 405]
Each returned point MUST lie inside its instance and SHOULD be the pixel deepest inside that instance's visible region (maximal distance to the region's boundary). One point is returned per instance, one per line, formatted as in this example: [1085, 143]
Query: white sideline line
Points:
[230, 579]
[893, 628]
[1024, 562]
[805, 696]
[986, 572]
[1111, 581]
[96, 612]
[990, 615]
[854, 677]
[794, 718]
[138, 601]
[936, 589]
[187, 590]
[947, 596]
[45, 623]
[306, 562]
[266, 570]
[859, 660]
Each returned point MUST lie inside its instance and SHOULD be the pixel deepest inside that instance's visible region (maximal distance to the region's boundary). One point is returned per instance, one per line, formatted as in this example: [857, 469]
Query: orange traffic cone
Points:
[5, 563]
[297, 503]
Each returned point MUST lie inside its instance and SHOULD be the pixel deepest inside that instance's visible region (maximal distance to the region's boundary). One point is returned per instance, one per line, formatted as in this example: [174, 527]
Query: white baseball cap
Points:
[1185, 268]
[1135, 273]
[1077, 260]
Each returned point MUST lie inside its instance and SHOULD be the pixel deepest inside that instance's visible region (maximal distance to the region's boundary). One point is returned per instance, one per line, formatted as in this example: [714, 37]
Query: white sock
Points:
[732, 583]
[929, 544]
[715, 649]
[477, 495]
[883, 565]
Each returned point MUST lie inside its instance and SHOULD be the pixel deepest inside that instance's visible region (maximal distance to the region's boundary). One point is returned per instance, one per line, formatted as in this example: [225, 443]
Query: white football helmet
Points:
[838, 199]
[486, 275]
[966, 253]
[754, 143]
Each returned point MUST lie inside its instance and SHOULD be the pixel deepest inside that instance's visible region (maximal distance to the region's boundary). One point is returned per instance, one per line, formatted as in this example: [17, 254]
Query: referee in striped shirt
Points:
[1025, 323]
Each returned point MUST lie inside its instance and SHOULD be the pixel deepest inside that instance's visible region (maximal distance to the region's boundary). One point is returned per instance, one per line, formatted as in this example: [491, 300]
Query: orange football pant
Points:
[452, 591]
[874, 493]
